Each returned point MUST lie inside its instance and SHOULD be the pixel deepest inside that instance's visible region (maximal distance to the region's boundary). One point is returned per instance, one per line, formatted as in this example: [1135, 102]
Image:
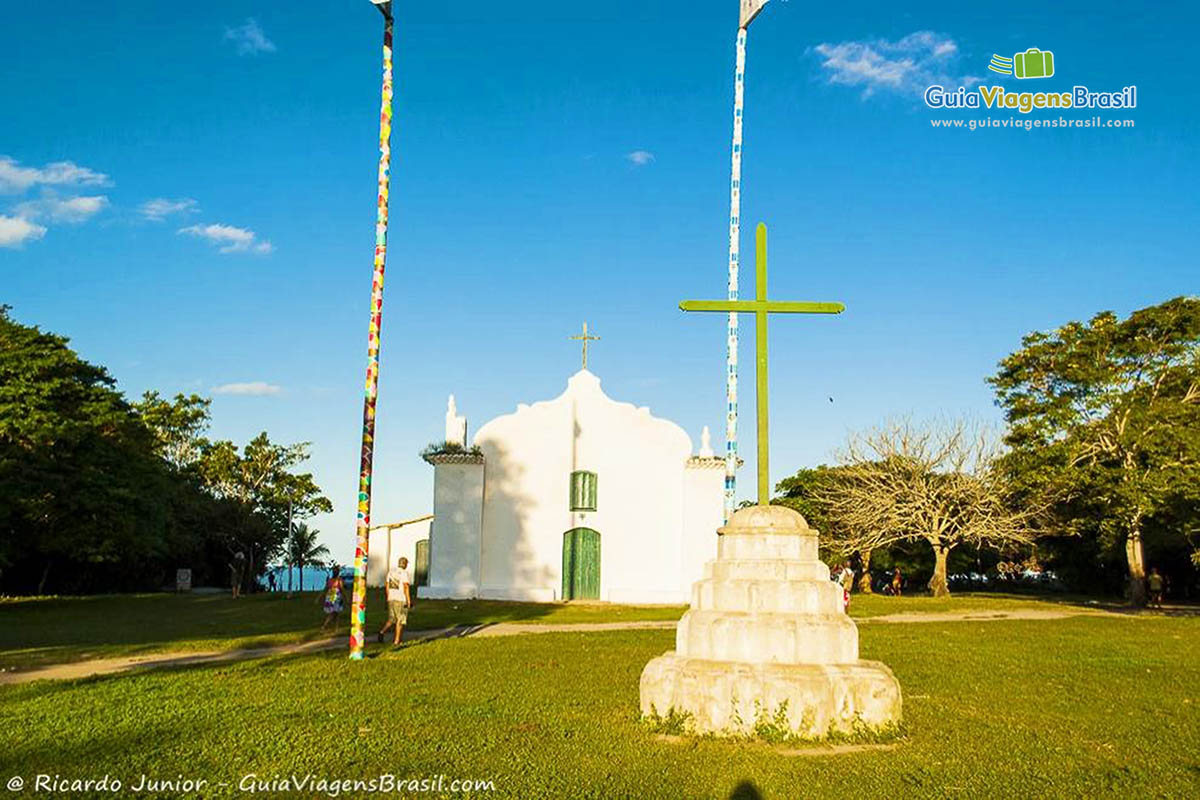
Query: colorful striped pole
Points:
[731, 344]
[358, 603]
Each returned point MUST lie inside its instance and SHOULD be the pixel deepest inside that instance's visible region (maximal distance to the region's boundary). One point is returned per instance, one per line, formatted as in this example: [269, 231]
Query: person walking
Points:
[1156, 584]
[399, 599]
[897, 583]
[236, 568]
[847, 581]
[332, 597]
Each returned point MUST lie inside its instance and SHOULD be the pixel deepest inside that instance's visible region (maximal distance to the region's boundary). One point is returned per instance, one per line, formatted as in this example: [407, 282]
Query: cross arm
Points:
[771, 306]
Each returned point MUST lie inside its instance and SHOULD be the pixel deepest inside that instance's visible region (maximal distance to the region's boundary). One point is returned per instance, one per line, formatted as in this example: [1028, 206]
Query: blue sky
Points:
[188, 193]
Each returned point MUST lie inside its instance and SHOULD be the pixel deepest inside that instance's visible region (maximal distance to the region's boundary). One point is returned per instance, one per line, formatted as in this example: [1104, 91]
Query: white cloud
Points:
[251, 389]
[160, 208]
[57, 209]
[640, 157]
[905, 66]
[15, 231]
[230, 239]
[78, 209]
[17, 178]
[249, 39]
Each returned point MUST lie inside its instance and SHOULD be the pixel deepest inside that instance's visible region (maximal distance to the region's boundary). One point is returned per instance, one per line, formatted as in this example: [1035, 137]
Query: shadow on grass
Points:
[746, 790]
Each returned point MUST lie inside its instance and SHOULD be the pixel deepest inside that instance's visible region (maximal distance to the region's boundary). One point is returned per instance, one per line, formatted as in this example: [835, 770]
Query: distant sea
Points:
[309, 579]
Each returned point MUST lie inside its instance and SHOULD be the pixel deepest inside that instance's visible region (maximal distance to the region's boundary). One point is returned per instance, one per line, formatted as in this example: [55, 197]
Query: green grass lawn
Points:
[35, 631]
[1079, 707]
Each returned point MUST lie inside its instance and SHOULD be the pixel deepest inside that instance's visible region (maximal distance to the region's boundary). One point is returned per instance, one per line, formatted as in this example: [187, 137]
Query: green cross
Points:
[761, 307]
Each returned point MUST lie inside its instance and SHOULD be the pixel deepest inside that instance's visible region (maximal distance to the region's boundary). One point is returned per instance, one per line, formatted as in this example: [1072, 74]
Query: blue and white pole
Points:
[747, 11]
[731, 344]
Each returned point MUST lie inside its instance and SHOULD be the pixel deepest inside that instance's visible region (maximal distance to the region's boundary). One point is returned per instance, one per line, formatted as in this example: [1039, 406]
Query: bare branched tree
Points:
[935, 483]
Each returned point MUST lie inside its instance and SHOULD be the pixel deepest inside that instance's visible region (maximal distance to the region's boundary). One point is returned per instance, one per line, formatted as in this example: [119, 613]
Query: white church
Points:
[579, 497]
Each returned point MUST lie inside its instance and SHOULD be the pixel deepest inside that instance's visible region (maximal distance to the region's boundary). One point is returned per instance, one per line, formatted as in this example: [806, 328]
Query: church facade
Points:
[576, 498]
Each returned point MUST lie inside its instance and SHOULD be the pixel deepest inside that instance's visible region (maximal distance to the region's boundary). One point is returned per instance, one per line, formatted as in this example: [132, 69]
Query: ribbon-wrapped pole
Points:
[358, 603]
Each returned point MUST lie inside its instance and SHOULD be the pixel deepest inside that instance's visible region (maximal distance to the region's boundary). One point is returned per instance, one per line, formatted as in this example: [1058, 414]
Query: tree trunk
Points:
[1137, 566]
[864, 581]
[45, 574]
[937, 584]
[291, 568]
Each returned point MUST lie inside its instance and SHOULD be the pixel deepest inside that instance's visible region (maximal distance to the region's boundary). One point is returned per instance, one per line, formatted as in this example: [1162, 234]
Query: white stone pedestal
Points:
[767, 640]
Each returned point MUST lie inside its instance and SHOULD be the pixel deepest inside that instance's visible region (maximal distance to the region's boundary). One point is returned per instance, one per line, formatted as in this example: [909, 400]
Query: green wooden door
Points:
[421, 570]
[581, 564]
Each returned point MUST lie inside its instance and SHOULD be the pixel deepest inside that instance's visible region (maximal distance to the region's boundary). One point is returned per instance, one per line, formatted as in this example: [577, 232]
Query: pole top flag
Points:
[750, 9]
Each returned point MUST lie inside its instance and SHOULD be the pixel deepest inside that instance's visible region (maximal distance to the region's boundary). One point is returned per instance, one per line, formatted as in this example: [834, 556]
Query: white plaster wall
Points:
[396, 542]
[703, 513]
[454, 537]
[639, 460]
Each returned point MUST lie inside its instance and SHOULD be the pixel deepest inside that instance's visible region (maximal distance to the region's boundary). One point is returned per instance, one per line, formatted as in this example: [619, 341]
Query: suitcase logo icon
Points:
[1033, 63]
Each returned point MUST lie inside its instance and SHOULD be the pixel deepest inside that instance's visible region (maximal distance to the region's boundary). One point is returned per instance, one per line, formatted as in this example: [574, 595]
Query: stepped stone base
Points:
[810, 700]
[767, 640]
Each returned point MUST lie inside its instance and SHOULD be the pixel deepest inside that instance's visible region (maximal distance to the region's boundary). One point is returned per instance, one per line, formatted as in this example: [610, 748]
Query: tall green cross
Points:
[761, 307]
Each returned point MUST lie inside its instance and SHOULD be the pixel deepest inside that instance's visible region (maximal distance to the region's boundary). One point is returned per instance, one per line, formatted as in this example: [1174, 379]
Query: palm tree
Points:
[302, 548]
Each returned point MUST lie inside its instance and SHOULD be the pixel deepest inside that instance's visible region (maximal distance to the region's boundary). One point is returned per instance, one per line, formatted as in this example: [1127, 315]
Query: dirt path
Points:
[989, 616]
[110, 666]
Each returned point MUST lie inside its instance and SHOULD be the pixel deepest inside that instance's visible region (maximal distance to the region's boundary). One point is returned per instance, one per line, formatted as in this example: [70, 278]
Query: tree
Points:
[178, 426]
[302, 548]
[99, 493]
[799, 492]
[1107, 413]
[259, 479]
[937, 484]
[78, 480]
[802, 492]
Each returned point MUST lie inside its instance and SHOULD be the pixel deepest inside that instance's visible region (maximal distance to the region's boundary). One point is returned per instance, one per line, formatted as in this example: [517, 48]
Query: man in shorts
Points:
[398, 599]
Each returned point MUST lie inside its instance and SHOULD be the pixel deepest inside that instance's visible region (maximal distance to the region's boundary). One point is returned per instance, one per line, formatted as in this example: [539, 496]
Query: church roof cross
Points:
[585, 339]
[760, 306]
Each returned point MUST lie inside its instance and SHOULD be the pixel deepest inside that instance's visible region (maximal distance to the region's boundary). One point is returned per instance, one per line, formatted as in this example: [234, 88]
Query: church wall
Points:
[454, 542]
[526, 472]
[639, 461]
[403, 543]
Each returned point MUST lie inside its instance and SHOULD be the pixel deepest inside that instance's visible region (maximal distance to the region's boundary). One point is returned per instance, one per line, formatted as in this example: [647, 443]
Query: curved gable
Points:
[600, 421]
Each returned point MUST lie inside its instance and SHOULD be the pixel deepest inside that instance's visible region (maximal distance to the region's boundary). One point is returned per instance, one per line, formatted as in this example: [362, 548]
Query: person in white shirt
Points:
[399, 599]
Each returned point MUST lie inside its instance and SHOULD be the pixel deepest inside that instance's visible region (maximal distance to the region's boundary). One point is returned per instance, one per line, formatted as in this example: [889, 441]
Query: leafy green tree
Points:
[1107, 414]
[99, 493]
[260, 480]
[78, 481]
[799, 492]
[178, 426]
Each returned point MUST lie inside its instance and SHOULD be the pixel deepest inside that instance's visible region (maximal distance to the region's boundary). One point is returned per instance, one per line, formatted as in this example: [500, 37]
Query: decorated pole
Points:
[731, 343]
[358, 603]
[748, 10]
